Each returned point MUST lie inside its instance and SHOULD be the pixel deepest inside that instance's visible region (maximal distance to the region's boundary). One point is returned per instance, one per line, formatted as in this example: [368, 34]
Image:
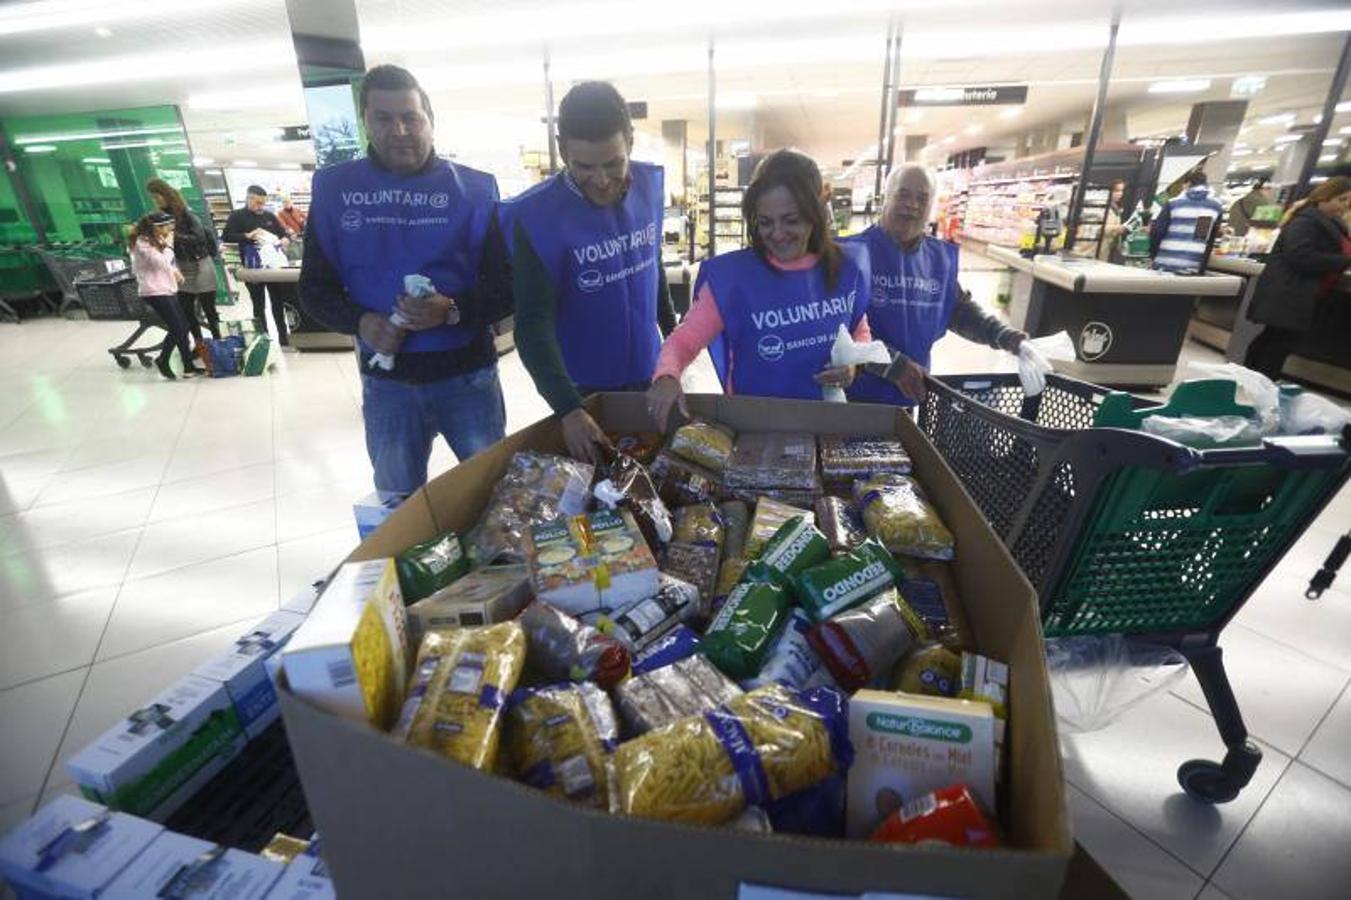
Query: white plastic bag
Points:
[1201, 431]
[1256, 389]
[413, 286]
[1307, 413]
[1035, 357]
[846, 352]
[270, 254]
[1096, 679]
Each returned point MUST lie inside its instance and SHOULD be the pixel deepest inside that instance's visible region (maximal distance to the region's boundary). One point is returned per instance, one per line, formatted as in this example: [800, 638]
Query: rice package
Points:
[680, 482]
[537, 487]
[661, 696]
[699, 523]
[757, 748]
[483, 597]
[559, 739]
[741, 635]
[847, 580]
[791, 662]
[770, 516]
[839, 521]
[695, 564]
[864, 643]
[801, 498]
[705, 444]
[591, 562]
[736, 518]
[729, 576]
[845, 459]
[426, 568]
[794, 548]
[461, 679]
[562, 648]
[773, 460]
[641, 623]
[896, 512]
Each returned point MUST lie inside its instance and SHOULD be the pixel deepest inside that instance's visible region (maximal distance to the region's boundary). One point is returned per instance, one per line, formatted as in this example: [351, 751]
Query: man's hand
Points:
[1013, 341]
[432, 311]
[581, 434]
[378, 333]
[665, 395]
[836, 376]
[912, 381]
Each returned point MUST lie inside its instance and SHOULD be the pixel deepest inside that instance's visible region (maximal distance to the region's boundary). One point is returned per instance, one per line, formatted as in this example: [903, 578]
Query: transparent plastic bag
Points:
[559, 739]
[537, 487]
[1307, 413]
[1259, 391]
[848, 352]
[1097, 679]
[1203, 431]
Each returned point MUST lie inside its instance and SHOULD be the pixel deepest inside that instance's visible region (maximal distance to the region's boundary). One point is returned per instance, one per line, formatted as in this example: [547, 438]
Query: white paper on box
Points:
[82, 861]
[242, 670]
[305, 878]
[906, 745]
[233, 875]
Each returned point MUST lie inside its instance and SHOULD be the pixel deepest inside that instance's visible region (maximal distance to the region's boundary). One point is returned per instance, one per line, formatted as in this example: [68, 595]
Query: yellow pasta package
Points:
[462, 677]
[757, 748]
[559, 739]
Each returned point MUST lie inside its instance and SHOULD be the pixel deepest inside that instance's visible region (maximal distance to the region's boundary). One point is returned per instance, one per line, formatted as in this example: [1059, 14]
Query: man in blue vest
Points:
[402, 211]
[1180, 236]
[591, 299]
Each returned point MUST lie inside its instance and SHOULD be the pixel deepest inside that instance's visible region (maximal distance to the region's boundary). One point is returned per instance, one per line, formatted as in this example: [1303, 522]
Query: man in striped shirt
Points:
[1179, 237]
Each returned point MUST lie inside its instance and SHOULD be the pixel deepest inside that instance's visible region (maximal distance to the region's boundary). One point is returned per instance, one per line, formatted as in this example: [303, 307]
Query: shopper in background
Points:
[1241, 213]
[1112, 227]
[291, 217]
[1180, 235]
[195, 252]
[151, 245]
[771, 312]
[249, 226]
[591, 297]
[401, 211]
[915, 295]
[1301, 275]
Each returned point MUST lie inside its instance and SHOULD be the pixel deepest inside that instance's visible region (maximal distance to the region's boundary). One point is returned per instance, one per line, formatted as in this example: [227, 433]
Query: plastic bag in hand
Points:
[847, 352]
[1095, 680]
[1035, 356]
[413, 286]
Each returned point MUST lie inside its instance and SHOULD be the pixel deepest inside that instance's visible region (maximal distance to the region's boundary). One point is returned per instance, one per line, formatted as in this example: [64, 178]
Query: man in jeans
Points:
[405, 211]
[247, 227]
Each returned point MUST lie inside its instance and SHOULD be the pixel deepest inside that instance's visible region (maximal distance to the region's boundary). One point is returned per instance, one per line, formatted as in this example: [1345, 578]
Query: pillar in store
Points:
[1292, 158]
[1217, 122]
[328, 51]
[47, 182]
[914, 143]
[1114, 129]
[132, 164]
[674, 133]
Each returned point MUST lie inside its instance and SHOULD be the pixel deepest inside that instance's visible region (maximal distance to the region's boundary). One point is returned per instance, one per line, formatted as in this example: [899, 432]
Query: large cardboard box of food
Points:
[388, 812]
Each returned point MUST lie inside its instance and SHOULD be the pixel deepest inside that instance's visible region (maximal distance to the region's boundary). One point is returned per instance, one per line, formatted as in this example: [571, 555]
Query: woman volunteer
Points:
[915, 294]
[771, 312]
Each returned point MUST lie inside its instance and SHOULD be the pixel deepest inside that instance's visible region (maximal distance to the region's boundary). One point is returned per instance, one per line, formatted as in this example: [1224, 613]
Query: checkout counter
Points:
[1128, 324]
[306, 333]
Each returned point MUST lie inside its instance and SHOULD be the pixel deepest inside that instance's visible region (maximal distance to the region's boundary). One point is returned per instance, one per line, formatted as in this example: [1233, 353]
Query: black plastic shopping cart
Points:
[114, 298]
[1124, 532]
[73, 263]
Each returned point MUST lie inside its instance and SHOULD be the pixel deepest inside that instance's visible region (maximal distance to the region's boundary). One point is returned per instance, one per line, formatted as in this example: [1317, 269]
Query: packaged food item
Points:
[699, 523]
[845, 459]
[283, 848]
[741, 635]
[773, 460]
[839, 521]
[770, 515]
[242, 668]
[752, 750]
[736, 518]
[864, 643]
[627, 485]
[350, 657]
[794, 548]
[462, 677]
[985, 679]
[677, 644]
[559, 739]
[306, 878]
[561, 648]
[695, 564]
[817, 811]
[907, 745]
[926, 598]
[641, 445]
[948, 815]
[483, 597]
[537, 487]
[792, 661]
[591, 562]
[705, 444]
[427, 567]
[661, 696]
[753, 819]
[847, 580]
[930, 669]
[175, 865]
[680, 482]
[729, 575]
[800, 498]
[643, 622]
[896, 512]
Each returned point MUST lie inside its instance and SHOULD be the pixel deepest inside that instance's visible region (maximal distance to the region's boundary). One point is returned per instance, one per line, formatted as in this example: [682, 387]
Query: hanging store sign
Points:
[969, 95]
[295, 133]
[637, 109]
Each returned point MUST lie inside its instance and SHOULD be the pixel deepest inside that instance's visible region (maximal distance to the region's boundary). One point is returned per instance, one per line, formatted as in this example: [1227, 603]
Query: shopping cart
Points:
[114, 298]
[1123, 532]
[78, 262]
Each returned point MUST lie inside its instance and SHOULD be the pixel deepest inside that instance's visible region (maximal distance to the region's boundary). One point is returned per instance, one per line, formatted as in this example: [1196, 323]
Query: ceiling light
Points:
[1345, 129]
[1012, 112]
[50, 15]
[148, 142]
[245, 164]
[289, 165]
[92, 135]
[1180, 86]
[40, 148]
[948, 140]
[227, 60]
[1332, 142]
[98, 160]
[1281, 119]
[202, 160]
[1344, 106]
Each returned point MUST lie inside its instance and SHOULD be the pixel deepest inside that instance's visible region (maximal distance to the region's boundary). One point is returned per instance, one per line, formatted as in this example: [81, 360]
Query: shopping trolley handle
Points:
[1314, 451]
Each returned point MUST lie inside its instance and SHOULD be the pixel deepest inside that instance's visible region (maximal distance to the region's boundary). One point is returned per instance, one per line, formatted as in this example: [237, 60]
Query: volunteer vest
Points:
[604, 263]
[912, 298]
[778, 326]
[376, 226]
[1191, 218]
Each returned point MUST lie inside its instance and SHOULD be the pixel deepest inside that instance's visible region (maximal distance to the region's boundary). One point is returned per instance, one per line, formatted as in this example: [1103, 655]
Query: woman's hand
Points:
[583, 436]
[664, 395]
[836, 376]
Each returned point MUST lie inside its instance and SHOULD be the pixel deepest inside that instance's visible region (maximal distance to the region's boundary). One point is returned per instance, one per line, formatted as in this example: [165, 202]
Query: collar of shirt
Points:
[380, 163]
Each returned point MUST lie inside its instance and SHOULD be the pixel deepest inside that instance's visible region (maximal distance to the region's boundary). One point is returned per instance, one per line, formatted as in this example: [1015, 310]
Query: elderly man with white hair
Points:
[915, 294]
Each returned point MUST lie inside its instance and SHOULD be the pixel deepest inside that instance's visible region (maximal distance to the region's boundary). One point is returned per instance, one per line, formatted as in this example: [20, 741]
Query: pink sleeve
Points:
[698, 329]
[863, 331]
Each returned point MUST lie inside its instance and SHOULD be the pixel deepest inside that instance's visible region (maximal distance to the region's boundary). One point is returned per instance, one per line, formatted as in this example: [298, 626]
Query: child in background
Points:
[157, 279]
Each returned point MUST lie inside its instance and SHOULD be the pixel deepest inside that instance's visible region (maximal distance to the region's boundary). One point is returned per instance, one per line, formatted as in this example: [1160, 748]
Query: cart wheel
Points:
[145, 362]
[123, 362]
[1207, 781]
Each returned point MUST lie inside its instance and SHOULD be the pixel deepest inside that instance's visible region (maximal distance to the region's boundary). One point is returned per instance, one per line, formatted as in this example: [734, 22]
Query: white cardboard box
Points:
[483, 597]
[303, 600]
[305, 878]
[373, 509]
[158, 756]
[242, 670]
[233, 875]
[81, 864]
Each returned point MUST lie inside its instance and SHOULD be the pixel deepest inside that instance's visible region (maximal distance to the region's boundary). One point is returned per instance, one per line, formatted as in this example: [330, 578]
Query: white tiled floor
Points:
[143, 523]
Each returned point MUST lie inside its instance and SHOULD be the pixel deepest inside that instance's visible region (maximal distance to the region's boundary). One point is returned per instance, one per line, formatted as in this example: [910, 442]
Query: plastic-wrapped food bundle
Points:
[801, 498]
[661, 696]
[791, 662]
[760, 747]
[461, 679]
[700, 523]
[840, 523]
[681, 482]
[736, 519]
[929, 669]
[845, 459]
[559, 739]
[426, 568]
[627, 485]
[773, 460]
[641, 445]
[705, 444]
[729, 576]
[643, 622]
[744, 630]
[696, 564]
[536, 488]
[896, 512]
[673, 646]
[768, 519]
[847, 580]
[563, 648]
[863, 643]
[794, 548]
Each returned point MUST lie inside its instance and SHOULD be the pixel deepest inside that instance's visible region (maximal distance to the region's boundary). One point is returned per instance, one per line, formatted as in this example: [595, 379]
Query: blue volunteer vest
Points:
[913, 295]
[778, 326]
[377, 226]
[604, 263]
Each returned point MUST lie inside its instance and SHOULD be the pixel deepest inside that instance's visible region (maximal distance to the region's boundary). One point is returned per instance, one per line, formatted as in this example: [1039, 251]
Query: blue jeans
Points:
[403, 419]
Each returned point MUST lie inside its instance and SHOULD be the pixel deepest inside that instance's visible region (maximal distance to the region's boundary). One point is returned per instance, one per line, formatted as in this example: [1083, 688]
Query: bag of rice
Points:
[559, 739]
[684, 688]
[847, 580]
[896, 512]
[741, 635]
[705, 444]
[844, 458]
[794, 548]
[770, 515]
[426, 568]
[840, 523]
[773, 460]
[681, 482]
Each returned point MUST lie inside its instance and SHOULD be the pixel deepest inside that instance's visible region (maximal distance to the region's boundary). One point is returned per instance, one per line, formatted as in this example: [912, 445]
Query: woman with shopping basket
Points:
[157, 282]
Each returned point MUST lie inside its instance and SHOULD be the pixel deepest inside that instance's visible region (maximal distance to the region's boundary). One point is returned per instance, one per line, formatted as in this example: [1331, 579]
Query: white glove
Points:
[1034, 359]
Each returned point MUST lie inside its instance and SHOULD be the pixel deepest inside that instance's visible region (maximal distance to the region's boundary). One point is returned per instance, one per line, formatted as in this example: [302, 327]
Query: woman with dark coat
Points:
[195, 250]
[1302, 272]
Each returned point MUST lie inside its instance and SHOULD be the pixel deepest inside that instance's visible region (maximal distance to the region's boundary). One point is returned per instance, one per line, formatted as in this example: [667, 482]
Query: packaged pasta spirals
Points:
[559, 739]
[896, 512]
[750, 751]
[704, 443]
[462, 677]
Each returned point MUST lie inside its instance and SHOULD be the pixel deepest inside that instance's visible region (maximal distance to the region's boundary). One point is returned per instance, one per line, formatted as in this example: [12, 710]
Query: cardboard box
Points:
[161, 754]
[387, 812]
[372, 510]
[214, 875]
[306, 878]
[483, 597]
[303, 600]
[351, 655]
[79, 855]
[242, 669]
